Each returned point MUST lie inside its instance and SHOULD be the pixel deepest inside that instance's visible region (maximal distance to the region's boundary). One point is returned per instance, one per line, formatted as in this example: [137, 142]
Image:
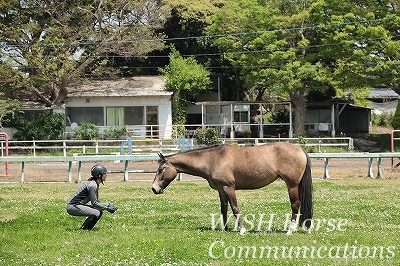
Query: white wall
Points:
[163, 103]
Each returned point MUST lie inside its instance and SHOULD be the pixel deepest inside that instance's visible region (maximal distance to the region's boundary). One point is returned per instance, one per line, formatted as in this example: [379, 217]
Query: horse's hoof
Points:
[242, 231]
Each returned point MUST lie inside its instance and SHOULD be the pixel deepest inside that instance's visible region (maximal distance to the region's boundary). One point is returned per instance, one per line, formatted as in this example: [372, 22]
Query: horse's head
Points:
[166, 172]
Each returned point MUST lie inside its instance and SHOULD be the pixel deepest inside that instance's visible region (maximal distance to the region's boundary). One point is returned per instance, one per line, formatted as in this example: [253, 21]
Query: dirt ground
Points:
[145, 171]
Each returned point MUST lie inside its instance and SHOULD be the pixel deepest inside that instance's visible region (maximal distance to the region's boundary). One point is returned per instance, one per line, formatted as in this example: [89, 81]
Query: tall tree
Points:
[185, 78]
[56, 43]
[269, 42]
[184, 27]
[289, 48]
[359, 41]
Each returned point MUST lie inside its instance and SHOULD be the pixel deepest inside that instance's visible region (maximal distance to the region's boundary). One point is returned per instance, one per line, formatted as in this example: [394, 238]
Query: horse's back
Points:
[258, 166]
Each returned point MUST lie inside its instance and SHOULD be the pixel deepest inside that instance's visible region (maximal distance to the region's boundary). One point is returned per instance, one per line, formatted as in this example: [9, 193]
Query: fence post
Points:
[65, 148]
[326, 172]
[69, 171]
[34, 148]
[370, 173]
[380, 174]
[22, 172]
[79, 171]
[126, 177]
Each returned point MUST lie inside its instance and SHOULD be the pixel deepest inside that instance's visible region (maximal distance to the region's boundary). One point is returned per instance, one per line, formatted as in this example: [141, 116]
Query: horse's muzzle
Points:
[157, 189]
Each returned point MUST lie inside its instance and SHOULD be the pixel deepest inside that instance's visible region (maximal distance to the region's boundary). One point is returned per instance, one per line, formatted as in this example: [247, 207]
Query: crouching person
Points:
[78, 205]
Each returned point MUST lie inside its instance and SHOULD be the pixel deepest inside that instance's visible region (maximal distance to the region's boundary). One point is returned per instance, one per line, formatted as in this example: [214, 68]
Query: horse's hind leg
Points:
[295, 205]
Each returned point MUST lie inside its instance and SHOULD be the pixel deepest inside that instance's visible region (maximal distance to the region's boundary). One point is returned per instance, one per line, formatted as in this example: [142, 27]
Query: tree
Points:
[360, 41]
[185, 78]
[289, 48]
[54, 44]
[184, 27]
[7, 106]
[396, 118]
[271, 50]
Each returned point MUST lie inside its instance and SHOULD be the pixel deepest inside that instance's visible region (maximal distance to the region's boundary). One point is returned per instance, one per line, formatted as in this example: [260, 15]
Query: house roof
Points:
[121, 87]
[382, 93]
[341, 102]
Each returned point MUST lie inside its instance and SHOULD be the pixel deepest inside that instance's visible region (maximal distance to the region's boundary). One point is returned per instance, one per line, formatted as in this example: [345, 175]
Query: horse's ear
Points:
[162, 158]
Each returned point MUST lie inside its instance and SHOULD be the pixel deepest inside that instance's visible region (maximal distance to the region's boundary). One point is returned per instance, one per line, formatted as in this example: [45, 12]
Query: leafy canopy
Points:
[185, 78]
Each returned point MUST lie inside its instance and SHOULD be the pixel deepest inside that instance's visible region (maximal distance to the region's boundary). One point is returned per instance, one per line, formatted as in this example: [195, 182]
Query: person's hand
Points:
[111, 208]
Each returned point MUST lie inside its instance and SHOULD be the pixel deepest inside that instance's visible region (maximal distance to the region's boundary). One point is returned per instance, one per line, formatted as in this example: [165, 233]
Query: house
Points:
[140, 103]
[336, 116]
[384, 100]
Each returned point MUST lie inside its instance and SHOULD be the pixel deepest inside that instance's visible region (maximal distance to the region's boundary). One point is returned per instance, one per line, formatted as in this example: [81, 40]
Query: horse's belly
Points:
[253, 182]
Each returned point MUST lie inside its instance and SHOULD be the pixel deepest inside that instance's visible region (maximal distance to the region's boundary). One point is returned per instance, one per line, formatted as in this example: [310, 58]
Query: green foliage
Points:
[7, 106]
[280, 114]
[382, 120]
[47, 126]
[56, 43]
[207, 136]
[284, 53]
[185, 78]
[115, 132]
[185, 75]
[396, 118]
[87, 131]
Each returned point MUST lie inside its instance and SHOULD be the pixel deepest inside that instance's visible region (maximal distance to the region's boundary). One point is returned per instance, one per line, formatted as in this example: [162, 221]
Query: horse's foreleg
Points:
[231, 195]
[224, 209]
[295, 205]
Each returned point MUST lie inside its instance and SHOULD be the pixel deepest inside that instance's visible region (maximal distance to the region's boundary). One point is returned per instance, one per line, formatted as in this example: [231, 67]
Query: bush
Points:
[47, 126]
[382, 120]
[87, 131]
[115, 132]
[207, 136]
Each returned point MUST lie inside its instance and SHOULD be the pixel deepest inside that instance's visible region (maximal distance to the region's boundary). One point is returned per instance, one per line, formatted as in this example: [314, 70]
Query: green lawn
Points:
[359, 225]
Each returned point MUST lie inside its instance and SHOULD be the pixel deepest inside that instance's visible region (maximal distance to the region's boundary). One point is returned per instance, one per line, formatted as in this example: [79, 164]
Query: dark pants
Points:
[93, 214]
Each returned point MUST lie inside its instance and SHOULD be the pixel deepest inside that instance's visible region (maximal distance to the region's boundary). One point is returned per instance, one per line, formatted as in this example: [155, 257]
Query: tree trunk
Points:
[299, 107]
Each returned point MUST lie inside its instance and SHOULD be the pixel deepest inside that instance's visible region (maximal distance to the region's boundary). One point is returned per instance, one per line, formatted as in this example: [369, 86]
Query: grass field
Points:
[359, 223]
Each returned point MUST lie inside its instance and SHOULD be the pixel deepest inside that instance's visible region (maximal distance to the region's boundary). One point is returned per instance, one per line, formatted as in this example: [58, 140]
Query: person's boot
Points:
[89, 223]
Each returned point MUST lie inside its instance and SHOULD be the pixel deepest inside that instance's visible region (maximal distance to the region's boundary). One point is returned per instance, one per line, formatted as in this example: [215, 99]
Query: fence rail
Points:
[146, 146]
[131, 158]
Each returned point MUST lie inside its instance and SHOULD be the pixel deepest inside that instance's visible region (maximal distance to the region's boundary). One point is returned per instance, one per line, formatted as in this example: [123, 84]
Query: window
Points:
[119, 116]
[241, 113]
[134, 115]
[92, 115]
[151, 115]
[115, 116]
[240, 116]
[152, 129]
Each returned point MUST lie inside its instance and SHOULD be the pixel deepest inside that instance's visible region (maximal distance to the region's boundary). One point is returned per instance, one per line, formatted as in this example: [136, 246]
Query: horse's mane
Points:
[218, 146]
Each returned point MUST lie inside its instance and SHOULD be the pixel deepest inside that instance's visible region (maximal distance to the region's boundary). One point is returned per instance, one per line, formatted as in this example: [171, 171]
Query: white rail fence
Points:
[150, 146]
[132, 158]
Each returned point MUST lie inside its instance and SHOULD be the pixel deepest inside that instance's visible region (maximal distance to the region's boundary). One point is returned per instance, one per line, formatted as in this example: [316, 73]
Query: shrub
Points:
[207, 136]
[382, 120]
[87, 131]
[115, 132]
[47, 126]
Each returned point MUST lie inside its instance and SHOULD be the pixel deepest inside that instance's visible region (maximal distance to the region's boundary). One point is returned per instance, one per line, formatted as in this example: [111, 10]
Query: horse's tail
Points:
[306, 199]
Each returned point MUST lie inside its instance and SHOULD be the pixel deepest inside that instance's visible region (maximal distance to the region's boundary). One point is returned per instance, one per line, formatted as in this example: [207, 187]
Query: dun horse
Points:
[228, 168]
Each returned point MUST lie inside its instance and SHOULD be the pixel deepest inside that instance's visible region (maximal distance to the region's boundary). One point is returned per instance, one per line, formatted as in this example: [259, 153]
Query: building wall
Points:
[355, 121]
[162, 102]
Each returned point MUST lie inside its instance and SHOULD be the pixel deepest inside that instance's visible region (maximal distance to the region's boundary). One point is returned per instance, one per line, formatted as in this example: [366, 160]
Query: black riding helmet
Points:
[98, 170]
